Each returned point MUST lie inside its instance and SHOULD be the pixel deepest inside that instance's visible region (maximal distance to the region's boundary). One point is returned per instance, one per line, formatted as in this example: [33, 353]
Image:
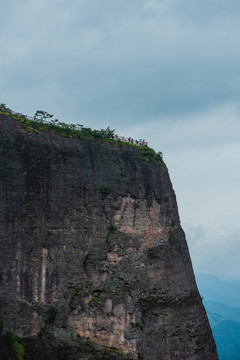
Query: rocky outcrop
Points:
[91, 241]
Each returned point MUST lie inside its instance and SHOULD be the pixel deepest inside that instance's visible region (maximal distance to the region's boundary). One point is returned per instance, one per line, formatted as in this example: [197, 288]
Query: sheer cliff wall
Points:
[90, 231]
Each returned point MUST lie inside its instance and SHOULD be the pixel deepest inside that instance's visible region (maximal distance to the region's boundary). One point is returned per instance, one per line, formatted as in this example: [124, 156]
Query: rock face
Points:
[91, 241]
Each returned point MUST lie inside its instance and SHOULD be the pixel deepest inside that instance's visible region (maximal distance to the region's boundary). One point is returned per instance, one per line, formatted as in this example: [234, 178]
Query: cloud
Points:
[114, 59]
[215, 250]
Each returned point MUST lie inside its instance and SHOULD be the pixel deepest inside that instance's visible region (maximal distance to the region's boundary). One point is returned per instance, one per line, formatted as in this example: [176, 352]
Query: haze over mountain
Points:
[222, 303]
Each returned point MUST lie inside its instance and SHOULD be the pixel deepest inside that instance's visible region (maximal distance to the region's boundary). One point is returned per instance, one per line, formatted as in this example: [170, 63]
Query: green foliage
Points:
[189, 332]
[41, 116]
[52, 313]
[148, 155]
[33, 337]
[71, 130]
[99, 134]
[152, 301]
[111, 230]
[160, 154]
[42, 120]
[99, 353]
[110, 349]
[95, 301]
[137, 325]
[105, 190]
[3, 107]
[18, 348]
[75, 294]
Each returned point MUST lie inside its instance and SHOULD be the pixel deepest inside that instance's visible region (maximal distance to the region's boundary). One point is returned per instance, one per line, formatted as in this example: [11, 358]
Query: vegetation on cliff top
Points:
[42, 120]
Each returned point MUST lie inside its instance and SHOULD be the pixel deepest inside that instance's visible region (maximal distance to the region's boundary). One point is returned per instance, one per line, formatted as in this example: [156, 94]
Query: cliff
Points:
[91, 243]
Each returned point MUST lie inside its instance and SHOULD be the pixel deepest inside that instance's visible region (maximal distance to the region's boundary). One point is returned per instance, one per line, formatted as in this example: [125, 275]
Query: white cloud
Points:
[215, 250]
[154, 49]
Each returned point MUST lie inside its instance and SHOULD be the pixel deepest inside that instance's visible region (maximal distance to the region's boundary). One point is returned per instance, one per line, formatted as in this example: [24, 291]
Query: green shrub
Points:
[44, 121]
[105, 190]
[149, 155]
[137, 325]
[111, 230]
[18, 348]
[42, 116]
[3, 107]
[52, 313]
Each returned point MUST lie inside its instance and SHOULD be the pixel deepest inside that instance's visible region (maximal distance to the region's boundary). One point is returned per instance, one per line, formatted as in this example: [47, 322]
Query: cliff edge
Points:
[91, 243]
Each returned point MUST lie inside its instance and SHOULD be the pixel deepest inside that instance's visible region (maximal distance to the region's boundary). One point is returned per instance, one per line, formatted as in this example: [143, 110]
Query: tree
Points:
[3, 106]
[42, 116]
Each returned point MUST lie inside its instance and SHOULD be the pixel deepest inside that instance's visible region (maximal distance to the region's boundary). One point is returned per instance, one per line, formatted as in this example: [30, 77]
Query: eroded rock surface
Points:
[90, 232]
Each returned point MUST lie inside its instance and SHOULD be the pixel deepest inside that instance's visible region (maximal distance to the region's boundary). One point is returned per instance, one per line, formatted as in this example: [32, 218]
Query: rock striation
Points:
[91, 242]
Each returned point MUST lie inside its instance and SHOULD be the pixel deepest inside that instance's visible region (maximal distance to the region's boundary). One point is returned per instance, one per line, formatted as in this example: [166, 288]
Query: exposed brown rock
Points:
[114, 269]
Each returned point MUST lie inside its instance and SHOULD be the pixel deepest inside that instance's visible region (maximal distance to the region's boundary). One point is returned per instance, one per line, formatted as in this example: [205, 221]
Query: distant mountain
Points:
[222, 303]
[227, 337]
[215, 289]
[226, 312]
[214, 318]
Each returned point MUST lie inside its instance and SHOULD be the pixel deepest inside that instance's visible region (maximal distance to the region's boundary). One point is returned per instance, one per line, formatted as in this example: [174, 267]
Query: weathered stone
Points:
[91, 240]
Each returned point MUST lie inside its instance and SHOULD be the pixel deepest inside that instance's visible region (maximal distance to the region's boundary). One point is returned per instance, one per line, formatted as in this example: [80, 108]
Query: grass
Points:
[149, 155]
[78, 131]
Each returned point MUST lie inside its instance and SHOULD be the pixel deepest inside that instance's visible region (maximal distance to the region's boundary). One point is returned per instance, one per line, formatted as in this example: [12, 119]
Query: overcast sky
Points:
[164, 70]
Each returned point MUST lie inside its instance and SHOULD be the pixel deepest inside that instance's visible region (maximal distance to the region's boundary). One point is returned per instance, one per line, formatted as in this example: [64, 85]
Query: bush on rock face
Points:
[105, 190]
[18, 348]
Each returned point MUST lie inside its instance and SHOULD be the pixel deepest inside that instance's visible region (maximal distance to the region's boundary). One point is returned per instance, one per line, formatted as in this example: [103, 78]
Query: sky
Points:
[167, 71]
